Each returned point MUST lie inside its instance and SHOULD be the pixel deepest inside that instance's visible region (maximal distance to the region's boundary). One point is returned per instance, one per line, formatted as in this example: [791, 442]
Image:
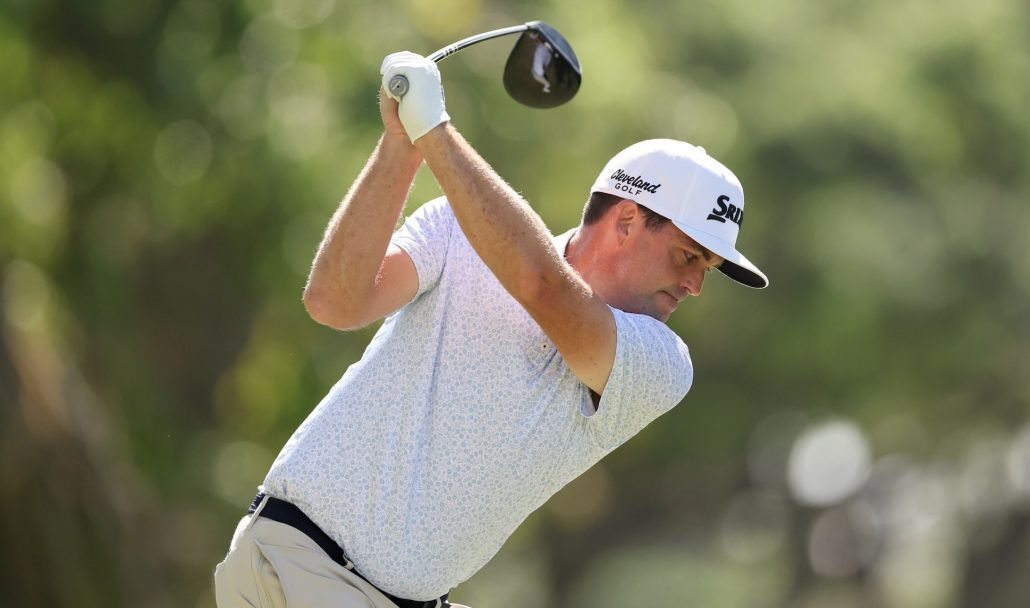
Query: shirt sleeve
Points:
[426, 236]
[652, 372]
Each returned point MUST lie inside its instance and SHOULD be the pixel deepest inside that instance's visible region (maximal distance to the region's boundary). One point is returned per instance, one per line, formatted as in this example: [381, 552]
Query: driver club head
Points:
[542, 70]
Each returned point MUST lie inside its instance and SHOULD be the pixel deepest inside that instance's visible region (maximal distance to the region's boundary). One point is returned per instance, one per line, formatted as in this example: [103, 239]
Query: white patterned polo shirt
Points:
[461, 419]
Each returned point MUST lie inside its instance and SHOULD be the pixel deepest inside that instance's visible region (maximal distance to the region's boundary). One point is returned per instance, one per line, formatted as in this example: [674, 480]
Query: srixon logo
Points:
[633, 184]
[725, 210]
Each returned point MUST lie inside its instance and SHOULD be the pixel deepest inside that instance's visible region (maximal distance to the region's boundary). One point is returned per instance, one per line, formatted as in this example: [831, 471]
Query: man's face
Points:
[658, 269]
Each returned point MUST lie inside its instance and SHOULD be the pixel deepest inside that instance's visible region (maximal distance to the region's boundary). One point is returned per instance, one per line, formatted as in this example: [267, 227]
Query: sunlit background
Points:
[857, 434]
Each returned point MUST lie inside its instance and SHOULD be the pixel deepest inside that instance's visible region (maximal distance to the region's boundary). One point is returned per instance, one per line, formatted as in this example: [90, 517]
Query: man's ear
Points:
[627, 214]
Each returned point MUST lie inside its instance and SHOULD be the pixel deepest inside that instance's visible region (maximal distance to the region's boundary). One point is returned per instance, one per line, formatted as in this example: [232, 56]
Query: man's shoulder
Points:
[642, 322]
[438, 206]
[653, 334]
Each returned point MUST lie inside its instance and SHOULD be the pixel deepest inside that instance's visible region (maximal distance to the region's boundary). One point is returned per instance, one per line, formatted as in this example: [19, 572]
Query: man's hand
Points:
[391, 121]
[422, 108]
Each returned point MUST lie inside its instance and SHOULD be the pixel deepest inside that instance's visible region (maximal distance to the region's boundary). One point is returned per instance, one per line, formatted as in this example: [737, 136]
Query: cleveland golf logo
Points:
[632, 183]
[726, 211]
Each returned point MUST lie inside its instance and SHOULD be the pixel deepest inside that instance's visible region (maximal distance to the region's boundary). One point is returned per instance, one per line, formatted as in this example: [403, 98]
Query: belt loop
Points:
[257, 511]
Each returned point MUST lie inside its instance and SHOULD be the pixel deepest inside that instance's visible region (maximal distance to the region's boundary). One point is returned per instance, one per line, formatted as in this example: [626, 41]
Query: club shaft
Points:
[457, 46]
[399, 84]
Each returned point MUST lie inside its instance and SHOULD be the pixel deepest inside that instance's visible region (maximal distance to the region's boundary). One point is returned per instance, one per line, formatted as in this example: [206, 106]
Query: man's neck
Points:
[581, 254]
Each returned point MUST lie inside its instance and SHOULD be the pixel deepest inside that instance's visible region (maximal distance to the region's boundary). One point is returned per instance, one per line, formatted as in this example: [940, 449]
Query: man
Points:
[510, 361]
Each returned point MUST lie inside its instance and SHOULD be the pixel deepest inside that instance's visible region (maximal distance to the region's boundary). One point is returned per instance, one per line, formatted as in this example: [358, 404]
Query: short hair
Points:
[600, 202]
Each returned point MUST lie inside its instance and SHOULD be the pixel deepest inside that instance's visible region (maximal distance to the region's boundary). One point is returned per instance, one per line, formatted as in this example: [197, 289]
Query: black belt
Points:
[289, 514]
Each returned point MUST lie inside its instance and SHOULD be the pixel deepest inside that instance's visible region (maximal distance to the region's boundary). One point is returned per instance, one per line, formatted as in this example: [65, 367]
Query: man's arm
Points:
[515, 244]
[506, 233]
[356, 277]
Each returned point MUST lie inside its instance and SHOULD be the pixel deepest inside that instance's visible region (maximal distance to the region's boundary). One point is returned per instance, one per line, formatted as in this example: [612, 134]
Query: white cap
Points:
[681, 182]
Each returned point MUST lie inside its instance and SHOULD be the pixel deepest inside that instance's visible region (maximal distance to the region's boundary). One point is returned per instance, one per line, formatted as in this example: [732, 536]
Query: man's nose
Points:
[693, 280]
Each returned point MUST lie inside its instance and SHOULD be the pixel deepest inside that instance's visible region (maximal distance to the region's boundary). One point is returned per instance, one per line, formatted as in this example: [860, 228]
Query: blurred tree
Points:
[166, 169]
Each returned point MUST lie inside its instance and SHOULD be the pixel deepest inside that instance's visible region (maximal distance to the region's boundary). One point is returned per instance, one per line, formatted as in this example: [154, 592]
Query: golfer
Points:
[509, 361]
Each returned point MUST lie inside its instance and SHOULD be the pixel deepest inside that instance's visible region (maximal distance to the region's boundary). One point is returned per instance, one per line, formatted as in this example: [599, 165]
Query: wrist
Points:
[431, 136]
[397, 145]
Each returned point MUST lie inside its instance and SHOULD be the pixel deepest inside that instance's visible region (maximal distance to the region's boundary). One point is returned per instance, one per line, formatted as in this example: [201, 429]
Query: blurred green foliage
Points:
[857, 434]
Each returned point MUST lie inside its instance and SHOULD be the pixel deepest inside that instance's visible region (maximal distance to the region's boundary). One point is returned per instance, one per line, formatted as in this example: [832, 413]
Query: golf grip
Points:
[398, 85]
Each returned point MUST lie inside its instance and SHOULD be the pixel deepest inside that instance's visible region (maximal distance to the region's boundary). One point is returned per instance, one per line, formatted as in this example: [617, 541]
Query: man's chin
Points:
[666, 307]
[660, 313]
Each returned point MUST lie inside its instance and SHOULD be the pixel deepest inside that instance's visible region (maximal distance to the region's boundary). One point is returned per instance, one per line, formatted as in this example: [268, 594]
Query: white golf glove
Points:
[422, 108]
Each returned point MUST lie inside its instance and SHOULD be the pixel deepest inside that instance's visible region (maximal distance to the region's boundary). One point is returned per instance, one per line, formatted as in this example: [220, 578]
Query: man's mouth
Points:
[674, 299]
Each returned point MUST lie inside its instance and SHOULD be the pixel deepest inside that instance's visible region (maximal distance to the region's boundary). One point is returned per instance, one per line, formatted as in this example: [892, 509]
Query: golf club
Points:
[542, 70]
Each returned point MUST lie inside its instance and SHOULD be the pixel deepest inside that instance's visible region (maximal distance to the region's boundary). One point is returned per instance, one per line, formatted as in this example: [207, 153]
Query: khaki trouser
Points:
[273, 565]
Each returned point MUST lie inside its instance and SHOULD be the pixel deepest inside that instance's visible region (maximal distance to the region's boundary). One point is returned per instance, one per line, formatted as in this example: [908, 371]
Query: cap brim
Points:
[735, 265]
[745, 273]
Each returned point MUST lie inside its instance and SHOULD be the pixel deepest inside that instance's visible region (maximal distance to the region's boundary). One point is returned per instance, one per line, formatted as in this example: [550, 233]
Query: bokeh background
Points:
[857, 434]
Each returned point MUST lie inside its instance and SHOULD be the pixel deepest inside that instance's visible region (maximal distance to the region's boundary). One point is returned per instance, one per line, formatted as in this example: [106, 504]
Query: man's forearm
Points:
[352, 249]
[503, 229]
[508, 235]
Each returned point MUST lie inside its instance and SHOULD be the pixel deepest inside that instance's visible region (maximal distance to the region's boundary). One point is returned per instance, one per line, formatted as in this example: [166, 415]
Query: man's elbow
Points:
[331, 312]
[537, 289]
